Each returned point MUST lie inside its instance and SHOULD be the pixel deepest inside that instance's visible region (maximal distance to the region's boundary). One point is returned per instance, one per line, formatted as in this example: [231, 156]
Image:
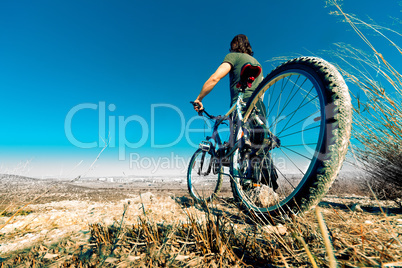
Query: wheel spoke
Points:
[297, 153]
[301, 144]
[272, 165]
[290, 94]
[301, 120]
[287, 100]
[280, 95]
[310, 128]
[286, 179]
[291, 161]
[293, 113]
[298, 108]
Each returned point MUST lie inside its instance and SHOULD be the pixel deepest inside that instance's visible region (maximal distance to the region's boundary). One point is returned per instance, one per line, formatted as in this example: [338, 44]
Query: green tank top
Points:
[238, 60]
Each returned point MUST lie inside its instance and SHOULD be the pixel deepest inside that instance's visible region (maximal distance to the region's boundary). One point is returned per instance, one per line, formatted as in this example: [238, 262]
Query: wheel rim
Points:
[202, 186]
[295, 114]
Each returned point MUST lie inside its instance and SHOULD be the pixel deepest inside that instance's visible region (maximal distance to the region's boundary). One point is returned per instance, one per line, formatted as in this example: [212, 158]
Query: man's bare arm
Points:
[220, 73]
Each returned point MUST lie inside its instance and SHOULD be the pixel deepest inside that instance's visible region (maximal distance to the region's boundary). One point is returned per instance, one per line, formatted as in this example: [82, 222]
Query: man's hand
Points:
[198, 105]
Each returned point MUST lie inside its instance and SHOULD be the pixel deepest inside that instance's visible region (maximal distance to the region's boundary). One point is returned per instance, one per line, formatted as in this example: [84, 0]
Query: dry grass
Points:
[377, 122]
[348, 239]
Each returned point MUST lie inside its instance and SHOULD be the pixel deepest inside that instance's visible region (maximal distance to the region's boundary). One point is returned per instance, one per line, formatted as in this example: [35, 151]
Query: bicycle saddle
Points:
[247, 75]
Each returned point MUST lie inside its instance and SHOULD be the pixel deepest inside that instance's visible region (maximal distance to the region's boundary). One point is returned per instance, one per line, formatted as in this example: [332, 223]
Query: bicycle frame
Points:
[235, 135]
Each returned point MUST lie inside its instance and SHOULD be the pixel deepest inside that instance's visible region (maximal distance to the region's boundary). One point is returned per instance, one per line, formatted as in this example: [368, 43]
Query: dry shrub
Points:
[350, 184]
[377, 127]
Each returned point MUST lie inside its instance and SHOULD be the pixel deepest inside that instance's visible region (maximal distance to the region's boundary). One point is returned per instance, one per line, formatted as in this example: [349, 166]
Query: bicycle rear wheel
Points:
[308, 108]
[204, 177]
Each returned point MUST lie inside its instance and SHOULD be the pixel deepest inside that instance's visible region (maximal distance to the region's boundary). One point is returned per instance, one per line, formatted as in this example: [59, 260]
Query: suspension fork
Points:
[202, 165]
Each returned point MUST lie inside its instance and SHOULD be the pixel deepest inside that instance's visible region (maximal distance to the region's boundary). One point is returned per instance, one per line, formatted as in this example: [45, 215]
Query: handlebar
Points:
[200, 112]
[218, 119]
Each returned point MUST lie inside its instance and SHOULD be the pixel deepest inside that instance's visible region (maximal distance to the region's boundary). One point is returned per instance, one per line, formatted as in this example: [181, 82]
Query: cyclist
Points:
[240, 55]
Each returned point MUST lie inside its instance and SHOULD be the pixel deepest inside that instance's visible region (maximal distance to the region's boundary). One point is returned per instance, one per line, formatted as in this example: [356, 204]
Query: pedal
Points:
[205, 146]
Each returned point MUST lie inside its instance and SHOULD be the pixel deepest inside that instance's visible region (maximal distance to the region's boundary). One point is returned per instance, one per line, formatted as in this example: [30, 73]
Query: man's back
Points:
[237, 61]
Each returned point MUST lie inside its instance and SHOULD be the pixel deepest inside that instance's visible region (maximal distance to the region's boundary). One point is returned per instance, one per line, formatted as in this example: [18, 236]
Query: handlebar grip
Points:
[195, 104]
[198, 106]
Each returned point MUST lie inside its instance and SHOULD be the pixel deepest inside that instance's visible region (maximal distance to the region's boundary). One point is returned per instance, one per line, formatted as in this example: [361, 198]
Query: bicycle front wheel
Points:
[204, 176]
[308, 109]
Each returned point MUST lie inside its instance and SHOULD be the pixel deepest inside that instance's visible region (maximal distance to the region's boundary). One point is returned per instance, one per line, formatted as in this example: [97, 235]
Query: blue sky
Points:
[128, 69]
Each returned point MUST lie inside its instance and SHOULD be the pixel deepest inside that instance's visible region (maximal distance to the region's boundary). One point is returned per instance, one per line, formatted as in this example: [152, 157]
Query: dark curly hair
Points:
[241, 44]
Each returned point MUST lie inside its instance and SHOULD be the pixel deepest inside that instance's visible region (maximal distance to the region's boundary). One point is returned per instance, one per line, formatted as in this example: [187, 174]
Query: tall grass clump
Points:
[377, 133]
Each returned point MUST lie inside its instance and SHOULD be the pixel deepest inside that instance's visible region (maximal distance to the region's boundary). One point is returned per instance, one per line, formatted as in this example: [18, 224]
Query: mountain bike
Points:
[286, 145]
